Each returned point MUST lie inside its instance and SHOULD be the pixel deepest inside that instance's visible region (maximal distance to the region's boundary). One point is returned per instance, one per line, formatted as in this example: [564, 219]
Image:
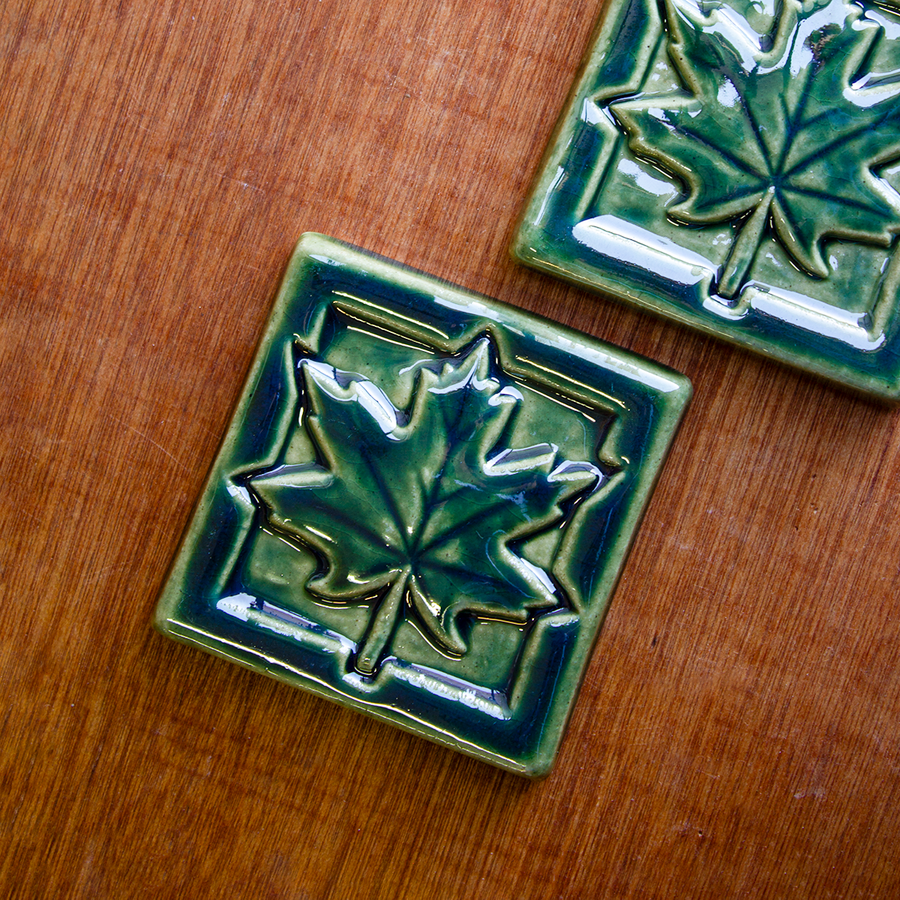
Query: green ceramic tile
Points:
[736, 166]
[422, 505]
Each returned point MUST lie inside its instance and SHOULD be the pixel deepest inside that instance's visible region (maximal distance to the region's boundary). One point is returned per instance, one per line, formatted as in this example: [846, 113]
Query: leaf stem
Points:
[743, 250]
[381, 626]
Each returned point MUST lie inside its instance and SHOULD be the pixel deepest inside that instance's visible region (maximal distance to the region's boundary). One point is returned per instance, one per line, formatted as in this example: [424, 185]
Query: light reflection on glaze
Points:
[623, 240]
[645, 181]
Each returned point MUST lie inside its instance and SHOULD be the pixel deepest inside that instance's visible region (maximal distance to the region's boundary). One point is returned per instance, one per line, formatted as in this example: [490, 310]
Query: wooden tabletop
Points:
[738, 732]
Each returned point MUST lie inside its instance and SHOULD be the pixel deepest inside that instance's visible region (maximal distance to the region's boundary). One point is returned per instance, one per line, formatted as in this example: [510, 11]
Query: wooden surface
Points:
[738, 730]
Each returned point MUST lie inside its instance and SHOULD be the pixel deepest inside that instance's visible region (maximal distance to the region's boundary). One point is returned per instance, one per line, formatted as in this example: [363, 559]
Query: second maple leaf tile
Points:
[736, 166]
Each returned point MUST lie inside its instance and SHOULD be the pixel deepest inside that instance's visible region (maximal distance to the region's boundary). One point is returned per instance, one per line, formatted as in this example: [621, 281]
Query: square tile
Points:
[734, 166]
[422, 505]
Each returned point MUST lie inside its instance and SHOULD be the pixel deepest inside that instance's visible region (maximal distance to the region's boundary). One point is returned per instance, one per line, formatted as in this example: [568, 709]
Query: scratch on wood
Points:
[140, 433]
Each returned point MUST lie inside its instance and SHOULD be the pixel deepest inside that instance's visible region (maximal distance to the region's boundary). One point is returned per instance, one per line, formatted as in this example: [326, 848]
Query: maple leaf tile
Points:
[736, 166]
[422, 504]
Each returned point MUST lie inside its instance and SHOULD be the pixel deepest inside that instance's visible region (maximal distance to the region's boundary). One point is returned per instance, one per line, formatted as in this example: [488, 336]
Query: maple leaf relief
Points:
[417, 512]
[780, 130]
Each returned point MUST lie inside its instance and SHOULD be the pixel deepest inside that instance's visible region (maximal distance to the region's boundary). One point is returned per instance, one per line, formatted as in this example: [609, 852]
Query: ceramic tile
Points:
[735, 166]
[422, 505]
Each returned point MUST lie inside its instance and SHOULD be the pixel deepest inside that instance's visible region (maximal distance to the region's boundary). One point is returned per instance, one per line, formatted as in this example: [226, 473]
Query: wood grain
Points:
[738, 734]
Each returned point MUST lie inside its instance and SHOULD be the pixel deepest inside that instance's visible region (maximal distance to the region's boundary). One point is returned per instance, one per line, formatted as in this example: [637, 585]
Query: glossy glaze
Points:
[422, 505]
[734, 166]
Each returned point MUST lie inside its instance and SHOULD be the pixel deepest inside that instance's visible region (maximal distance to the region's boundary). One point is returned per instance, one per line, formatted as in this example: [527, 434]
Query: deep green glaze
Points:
[734, 166]
[422, 505]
